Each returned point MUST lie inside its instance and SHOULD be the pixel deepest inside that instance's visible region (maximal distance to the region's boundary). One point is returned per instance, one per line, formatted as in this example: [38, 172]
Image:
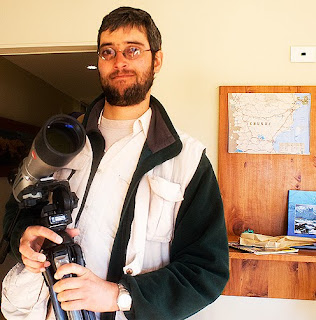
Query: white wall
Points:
[249, 308]
[207, 44]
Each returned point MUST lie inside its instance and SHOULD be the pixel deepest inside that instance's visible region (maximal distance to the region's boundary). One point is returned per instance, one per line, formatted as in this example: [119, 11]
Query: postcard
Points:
[302, 213]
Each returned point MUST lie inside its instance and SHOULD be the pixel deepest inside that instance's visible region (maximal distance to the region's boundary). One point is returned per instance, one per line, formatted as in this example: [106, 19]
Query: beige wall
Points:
[207, 44]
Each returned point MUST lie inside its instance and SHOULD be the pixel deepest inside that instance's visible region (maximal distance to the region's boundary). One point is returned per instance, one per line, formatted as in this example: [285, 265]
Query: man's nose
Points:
[120, 61]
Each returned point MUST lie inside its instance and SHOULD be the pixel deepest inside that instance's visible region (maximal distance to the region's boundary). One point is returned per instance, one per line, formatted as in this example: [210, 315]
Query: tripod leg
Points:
[87, 315]
[59, 255]
[60, 314]
[61, 258]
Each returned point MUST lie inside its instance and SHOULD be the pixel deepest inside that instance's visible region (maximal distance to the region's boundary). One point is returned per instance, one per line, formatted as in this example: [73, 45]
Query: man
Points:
[150, 217]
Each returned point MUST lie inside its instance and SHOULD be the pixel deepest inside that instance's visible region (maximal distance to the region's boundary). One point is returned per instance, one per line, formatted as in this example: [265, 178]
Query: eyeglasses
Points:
[130, 53]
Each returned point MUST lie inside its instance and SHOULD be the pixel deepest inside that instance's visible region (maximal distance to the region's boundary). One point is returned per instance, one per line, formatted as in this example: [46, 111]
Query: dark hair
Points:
[131, 17]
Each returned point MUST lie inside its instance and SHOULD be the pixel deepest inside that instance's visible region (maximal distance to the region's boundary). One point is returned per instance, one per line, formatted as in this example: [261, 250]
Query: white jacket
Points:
[158, 198]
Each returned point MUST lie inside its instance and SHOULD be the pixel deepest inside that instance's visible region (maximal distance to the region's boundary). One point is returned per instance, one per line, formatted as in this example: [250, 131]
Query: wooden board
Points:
[273, 279]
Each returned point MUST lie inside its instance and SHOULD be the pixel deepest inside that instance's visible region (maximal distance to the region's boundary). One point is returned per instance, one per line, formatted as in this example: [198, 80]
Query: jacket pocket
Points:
[163, 197]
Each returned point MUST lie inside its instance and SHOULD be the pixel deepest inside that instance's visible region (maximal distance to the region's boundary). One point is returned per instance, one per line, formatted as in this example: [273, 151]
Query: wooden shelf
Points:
[254, 189]
[301, 256]
[274, 276]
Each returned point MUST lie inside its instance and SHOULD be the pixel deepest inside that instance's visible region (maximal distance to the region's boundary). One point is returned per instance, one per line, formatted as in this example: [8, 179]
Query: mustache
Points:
[121, 73]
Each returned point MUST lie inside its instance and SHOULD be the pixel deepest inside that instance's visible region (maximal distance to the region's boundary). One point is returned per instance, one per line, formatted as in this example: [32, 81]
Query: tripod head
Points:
[57, 214]
[57, 202]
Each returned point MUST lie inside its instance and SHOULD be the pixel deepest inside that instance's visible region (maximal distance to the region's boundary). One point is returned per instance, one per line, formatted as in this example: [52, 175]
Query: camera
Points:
[57, 143]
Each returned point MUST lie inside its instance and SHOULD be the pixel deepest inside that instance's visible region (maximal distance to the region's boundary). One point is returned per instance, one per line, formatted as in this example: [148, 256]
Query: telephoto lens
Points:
[57, 143]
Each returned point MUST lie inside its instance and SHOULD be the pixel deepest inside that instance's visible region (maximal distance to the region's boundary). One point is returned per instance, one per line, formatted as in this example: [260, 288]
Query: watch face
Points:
[124, 302]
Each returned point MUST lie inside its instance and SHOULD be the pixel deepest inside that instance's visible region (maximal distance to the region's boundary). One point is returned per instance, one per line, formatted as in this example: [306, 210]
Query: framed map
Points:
[269, 123]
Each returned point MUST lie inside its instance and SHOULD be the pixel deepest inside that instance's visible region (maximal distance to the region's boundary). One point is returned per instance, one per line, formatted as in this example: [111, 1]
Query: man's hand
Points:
[31, 243]
[86, 291]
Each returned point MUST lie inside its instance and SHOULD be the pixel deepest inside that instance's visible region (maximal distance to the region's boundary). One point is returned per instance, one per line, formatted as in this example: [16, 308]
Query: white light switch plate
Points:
[303, 54]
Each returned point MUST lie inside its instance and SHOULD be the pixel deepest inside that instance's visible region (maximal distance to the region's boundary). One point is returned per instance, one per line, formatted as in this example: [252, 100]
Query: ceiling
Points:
[66, 72]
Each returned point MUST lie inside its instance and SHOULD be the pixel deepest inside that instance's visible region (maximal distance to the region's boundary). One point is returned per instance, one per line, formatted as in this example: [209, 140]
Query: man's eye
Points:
[133, 51]
[107, 52]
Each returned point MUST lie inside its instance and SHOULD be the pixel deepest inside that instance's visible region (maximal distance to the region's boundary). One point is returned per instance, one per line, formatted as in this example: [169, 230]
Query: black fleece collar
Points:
[161, 133]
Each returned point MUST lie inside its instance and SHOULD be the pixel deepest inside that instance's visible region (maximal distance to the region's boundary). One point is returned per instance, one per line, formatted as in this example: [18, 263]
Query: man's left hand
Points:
[86, 291]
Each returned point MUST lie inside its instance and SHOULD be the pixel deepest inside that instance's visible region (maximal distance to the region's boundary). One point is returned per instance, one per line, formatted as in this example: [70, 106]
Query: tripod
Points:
[56, 215]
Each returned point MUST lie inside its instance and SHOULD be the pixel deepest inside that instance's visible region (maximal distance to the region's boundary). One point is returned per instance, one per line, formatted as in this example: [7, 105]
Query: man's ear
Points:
[158, 61]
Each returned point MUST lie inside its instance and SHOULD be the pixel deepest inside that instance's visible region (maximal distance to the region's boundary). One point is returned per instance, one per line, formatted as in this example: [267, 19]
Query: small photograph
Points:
[302, 213]
[305, 219]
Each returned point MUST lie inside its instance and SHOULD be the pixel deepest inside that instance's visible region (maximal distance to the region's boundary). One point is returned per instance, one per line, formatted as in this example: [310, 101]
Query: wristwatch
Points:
[124, 299]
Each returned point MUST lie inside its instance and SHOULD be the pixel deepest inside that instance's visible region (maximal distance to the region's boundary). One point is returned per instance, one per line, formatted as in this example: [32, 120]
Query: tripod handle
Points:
[59, 254]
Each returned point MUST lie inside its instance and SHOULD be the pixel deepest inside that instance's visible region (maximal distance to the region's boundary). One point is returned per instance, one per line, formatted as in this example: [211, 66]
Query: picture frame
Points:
[15, 142]
[302, 213]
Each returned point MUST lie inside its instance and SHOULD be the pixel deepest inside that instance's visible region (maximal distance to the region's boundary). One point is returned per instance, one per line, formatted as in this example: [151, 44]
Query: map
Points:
[269, 123]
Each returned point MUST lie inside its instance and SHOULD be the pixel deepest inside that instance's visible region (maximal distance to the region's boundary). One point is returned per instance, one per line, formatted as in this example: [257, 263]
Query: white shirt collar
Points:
[140, 124]
[143, 122]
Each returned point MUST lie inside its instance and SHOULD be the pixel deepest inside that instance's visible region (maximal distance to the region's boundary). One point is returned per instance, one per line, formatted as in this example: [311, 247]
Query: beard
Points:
[132, 95]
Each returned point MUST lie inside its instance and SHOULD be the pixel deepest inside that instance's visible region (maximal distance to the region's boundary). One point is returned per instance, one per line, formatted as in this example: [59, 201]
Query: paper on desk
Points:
[276, 243]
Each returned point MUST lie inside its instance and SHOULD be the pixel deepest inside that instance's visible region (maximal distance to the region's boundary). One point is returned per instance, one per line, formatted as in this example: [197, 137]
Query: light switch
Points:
[303, 54]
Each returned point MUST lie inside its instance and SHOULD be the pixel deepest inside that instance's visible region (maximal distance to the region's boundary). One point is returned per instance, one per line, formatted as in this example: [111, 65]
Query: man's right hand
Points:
[31, 243]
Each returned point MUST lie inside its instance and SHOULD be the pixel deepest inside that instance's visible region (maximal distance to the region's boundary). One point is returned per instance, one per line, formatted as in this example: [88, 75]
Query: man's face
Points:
[125, 82]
